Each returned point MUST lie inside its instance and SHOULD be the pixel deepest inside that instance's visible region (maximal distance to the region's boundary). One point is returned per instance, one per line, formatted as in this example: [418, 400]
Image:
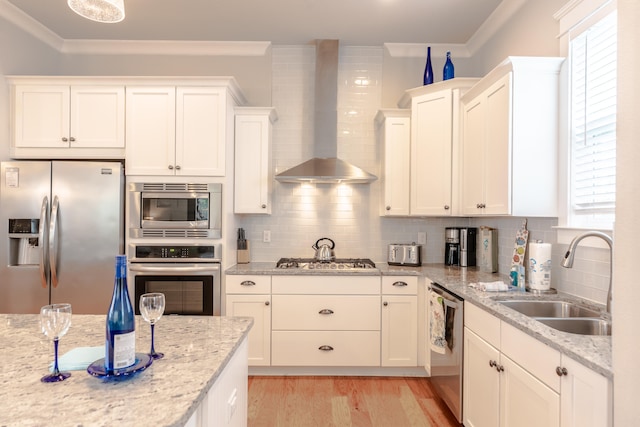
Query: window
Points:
[592, 133]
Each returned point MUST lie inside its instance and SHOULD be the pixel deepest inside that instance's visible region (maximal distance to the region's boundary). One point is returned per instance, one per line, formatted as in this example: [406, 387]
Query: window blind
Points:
[593, 123]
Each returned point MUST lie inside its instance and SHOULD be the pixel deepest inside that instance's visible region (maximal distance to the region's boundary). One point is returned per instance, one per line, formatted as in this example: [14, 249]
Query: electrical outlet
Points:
[266, 236]
[422, 238]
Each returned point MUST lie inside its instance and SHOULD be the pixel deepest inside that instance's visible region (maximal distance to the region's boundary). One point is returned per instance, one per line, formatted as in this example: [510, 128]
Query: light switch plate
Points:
[266, 236]
[422, 238]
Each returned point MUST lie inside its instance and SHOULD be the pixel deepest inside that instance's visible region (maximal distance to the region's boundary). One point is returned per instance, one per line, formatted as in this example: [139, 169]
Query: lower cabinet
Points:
[511, 379]
[399, 328]
[250, 296]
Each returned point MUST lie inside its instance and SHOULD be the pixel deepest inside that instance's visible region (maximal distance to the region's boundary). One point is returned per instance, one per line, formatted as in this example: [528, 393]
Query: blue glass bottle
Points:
[447, 72]
[120, 345]
[428, 70]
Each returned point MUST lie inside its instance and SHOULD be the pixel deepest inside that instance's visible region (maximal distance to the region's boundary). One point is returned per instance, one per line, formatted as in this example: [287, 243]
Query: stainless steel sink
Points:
[556, 309]
[583, 326]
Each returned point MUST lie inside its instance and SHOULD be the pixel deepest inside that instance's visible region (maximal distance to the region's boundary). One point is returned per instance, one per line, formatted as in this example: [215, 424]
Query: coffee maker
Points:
[451, 246]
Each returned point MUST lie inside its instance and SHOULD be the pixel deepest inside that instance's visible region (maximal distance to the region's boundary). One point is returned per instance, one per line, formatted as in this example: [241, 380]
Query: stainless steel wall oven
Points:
[188, 276]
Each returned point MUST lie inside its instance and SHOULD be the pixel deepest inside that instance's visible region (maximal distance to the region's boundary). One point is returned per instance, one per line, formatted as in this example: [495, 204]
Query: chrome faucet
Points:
[567, 262]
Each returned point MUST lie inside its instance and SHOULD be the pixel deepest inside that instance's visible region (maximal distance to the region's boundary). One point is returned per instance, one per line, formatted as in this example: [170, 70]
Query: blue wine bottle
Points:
[120, 346]
[447, 72]
[428, 69]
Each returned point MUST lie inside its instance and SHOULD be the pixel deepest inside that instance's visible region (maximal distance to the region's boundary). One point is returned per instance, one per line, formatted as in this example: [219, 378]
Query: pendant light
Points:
[109, 11]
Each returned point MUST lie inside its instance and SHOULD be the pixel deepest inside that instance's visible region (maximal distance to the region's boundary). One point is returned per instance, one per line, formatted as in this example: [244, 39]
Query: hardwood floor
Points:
[345, 401]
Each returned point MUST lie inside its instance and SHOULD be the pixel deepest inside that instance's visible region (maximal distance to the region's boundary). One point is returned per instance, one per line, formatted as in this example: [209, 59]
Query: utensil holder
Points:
[243, 255]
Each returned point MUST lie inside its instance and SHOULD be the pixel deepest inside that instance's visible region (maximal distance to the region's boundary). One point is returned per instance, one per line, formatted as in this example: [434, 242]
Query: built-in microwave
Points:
[175, 210]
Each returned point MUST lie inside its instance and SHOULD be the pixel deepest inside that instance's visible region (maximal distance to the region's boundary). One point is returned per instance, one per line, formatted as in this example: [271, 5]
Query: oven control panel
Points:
[176, 251]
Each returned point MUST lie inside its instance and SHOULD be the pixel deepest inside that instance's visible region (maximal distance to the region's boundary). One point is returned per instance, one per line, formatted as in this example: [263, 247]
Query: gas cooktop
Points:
[336, 264]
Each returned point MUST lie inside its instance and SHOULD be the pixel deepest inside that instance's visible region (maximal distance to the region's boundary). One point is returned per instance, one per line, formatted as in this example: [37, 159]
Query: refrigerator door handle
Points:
[53, 242]
[43, 240]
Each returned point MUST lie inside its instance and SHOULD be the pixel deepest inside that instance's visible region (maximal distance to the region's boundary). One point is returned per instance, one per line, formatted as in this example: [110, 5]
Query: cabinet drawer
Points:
[325, 348]
[326, 312]
[482, 323]
[534, 356]
[400, 285]
[321, 284]
[253, 284]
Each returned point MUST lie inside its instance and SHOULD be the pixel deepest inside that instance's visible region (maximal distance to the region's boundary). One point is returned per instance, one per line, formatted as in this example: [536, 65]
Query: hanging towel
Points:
[490, 286]
[437, 323]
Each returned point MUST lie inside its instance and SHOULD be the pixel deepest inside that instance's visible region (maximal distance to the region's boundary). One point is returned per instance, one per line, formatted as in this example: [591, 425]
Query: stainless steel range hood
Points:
[325, 167]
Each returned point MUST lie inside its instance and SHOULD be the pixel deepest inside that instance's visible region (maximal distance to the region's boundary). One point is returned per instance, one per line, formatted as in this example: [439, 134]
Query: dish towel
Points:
[490, 286]
[79, 358]
[437, 323]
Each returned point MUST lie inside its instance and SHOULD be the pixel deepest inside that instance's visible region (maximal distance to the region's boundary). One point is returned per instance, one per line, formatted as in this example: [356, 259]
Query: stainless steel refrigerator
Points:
[61, 226]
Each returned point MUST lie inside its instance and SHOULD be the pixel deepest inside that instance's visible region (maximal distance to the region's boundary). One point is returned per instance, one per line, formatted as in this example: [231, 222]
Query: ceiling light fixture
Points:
[109, 11]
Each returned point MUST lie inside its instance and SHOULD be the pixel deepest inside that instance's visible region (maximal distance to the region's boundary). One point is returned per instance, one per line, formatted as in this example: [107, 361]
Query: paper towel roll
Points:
[540, 266]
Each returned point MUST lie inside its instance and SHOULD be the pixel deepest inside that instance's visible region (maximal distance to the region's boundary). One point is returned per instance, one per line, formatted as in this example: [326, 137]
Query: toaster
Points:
[405, 254]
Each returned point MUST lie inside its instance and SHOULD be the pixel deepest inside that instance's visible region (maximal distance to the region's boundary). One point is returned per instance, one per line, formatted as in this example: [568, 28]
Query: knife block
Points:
[243, 255]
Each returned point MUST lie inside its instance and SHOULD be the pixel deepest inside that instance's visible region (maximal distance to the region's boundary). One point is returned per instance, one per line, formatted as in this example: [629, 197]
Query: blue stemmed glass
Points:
[55, 320]
[152, 308]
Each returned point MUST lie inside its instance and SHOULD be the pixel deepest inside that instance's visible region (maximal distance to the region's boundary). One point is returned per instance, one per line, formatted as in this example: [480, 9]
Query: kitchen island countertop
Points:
[197, 350]
[592, 351]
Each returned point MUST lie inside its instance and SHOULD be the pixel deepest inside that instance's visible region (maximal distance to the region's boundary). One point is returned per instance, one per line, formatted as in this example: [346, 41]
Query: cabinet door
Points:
[585, 397]
[41, 117]
[497, 151]
[97, 117]
[258, 307]
[200, 123]
[150, 130]
[473, 156]
[253, 164]
[399, 333]
[481, 383]
[397, 139]
[526, 401]
[431, 133]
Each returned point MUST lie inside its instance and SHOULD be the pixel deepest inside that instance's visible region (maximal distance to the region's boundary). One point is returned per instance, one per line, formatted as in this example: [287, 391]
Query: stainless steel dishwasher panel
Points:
[446, 359]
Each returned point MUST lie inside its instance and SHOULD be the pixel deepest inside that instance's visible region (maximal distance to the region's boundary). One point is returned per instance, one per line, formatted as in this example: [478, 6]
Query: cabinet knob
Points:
[561, 371]
[385, 303]
[325, 311]
[264, 206]
[65, 139]
[492, 363]
[388, 208]
[446, 207]
[325, 348]
[177, 167]
[170, 167]
[267, 303]
[72, 139]
[500, 368]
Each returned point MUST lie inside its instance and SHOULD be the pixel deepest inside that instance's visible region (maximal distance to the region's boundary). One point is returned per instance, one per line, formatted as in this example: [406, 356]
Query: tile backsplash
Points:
[349, 214]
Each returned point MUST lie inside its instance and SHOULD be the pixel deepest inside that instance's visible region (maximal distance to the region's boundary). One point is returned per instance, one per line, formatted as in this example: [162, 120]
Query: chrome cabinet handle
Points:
[325, 348]
[400, 283]
[247, 283]
[325, 311]
[561, 371]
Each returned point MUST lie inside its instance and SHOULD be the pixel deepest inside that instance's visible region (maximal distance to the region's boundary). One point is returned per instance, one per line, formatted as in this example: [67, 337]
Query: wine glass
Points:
[55, 320]
[152, 308]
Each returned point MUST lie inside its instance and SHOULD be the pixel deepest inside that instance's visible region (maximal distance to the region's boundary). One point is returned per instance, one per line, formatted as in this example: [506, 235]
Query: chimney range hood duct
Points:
[325, 167]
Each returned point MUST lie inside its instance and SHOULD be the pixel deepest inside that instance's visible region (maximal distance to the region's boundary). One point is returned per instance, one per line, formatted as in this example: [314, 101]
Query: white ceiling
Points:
[281, 22]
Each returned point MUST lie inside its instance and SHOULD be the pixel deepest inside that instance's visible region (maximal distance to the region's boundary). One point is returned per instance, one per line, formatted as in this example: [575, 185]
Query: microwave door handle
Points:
[173, 269]
[53, 242]
[43, 240]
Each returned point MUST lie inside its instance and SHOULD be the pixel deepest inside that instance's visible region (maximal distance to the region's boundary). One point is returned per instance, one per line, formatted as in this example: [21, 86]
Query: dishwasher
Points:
[445, 328]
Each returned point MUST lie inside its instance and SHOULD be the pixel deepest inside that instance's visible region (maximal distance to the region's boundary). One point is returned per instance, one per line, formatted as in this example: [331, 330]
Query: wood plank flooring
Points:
[291, 401]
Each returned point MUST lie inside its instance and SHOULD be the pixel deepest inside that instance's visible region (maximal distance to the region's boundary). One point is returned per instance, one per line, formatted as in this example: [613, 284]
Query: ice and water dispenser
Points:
[24, 246]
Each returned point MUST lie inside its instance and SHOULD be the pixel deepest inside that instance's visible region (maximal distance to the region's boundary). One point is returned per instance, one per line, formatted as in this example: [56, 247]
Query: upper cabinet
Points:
[253, 180]
[179, 129]
[62, 118]
[510, 140]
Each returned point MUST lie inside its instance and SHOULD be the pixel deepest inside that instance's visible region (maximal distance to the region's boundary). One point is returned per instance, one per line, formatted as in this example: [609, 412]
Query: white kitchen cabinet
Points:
[394, 135]
[253, 177]
[250, 296]
[510, 138]
[178, 130]
[536, 385]
[58, 119]
[399, 330]
[325, 321]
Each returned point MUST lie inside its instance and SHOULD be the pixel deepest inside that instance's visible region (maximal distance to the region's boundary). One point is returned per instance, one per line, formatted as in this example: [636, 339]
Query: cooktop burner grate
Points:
[336, 264]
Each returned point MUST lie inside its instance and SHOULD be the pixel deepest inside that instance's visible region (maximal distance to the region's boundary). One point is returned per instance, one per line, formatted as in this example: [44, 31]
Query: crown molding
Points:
[496, 20]
[25, 22]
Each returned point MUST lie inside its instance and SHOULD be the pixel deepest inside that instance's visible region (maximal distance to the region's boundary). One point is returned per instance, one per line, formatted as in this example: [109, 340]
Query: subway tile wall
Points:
[350, 214]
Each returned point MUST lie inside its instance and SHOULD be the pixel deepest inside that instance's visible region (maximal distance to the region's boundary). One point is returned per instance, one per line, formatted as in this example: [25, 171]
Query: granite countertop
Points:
[167, 393]
[592, 351]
